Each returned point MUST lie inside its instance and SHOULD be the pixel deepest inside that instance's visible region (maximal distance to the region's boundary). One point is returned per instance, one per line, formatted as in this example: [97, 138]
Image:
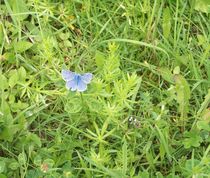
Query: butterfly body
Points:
[76, 82]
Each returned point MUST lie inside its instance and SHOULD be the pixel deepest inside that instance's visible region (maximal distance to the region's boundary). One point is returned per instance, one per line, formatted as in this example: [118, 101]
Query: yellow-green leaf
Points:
[22, 46]
[166, 22]
[19, 8]
[202, 5]
[183, 94]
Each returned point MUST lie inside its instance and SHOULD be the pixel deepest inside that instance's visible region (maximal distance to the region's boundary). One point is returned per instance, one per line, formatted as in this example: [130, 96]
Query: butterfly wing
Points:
[87, 77]
[71, 85]
[76, 81]
[67, 75]
[81, 86]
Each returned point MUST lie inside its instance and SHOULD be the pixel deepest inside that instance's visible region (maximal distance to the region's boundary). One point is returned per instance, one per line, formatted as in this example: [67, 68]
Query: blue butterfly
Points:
[76, 81]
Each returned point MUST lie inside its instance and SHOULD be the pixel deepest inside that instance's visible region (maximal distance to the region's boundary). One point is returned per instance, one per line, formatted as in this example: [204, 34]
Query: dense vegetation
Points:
[146, 112]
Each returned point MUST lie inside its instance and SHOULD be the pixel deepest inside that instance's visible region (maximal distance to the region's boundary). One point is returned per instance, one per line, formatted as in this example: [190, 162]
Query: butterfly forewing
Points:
[67, 75]
[87, 77]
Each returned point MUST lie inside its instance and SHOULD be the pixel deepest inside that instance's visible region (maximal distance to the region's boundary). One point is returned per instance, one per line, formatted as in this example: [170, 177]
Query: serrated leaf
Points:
[124, 158]
[192, 139]
[14, 165]
[22, 159]
[38, 160]
[49, 162]
[22, 46]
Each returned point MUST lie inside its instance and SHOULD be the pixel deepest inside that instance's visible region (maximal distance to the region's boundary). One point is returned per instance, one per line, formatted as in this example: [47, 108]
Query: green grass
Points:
[146, 112]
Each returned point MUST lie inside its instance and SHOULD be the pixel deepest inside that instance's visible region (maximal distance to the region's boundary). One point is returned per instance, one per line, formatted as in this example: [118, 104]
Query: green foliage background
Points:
[146, 112]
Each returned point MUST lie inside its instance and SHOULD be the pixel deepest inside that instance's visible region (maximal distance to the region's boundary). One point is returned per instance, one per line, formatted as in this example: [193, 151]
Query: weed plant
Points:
[146, 112]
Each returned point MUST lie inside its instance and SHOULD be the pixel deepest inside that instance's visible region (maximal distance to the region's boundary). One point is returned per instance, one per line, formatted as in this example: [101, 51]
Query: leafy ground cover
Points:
[146, 112]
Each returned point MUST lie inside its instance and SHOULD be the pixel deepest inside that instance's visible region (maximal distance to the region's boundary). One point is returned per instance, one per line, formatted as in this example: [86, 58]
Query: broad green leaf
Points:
[10, 57]
[49, 162]
[99, 59]
[166, 22]
[13, 78]
[144, 174]
[5, 108]
[3, 176]
[19, 8]
[182, 59]
[32, 173]
[162, 151]
[159, 175]
[22, 73]
[191, 167]
[33, 139]
[192, 139]
[22, 46]
[206, 115]
[176, 70]
[8, 132]
[74, 105]
[18, 106]
[37, 160]
[183, 94]
[95, 105]
[67, 43]
[201, 40]
[14, 165]
[202, 5]
[4, 83]
[203, 125]
[166, 74]
[64, 36]
[2, 166]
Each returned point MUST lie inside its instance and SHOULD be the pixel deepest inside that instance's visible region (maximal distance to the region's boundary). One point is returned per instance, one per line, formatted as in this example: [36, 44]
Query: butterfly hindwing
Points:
[71, 85]
[81, 86]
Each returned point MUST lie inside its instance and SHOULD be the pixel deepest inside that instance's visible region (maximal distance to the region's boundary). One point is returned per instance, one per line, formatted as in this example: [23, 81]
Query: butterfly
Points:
[75, 81]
